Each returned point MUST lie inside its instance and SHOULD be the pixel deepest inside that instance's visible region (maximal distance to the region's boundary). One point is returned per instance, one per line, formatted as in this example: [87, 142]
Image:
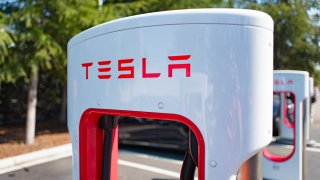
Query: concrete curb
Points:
[34, 158]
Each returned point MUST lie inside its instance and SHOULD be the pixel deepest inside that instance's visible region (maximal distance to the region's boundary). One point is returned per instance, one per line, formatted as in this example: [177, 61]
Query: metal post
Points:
[251, 169]
[100, 2]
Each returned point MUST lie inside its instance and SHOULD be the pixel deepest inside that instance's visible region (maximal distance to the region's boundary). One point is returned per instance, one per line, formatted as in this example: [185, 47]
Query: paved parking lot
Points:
[133, 165]
[143, 164]
[136, 164]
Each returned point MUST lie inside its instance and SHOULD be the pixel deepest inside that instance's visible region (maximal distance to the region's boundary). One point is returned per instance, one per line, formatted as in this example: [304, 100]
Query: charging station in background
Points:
[210, 69]
[292, 86]
[285, 123]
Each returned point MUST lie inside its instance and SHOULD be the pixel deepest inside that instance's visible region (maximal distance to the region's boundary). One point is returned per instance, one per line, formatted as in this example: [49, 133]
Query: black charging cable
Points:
[190, 161]
[108, 124]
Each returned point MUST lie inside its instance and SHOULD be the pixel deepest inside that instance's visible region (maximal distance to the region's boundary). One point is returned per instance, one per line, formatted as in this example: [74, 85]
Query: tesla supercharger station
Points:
[210, 69]
[290, 166]
[286, 123]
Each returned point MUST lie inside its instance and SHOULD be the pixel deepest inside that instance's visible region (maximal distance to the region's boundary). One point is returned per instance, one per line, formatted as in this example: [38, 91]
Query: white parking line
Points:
[149, 168]
[313, 149]
[153, 157]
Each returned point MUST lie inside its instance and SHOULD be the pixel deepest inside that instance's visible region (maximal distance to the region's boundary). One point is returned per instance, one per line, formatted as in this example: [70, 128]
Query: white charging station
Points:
[291, 165]
[286, 126]
[210, 69]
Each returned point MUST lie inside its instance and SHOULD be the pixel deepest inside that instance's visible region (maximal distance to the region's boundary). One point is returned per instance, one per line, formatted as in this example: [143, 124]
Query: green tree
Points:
[5, 39]
[33, 49]
[296, 34]
[70, 17]
[8, 69]
[37, 32]
[122, 8]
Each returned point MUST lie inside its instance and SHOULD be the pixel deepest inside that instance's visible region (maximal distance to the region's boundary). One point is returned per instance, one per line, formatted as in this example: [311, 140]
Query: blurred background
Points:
[33, 60]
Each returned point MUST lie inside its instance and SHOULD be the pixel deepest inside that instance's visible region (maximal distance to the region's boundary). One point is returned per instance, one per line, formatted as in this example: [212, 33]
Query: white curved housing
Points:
[226, 93]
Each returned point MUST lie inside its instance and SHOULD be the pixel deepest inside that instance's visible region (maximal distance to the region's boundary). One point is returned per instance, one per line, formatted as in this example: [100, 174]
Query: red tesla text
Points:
[282, 81]
[104, 69]
[126, 67]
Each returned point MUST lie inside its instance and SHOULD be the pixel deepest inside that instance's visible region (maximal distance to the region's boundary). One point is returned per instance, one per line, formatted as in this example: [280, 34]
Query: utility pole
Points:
[100, 3]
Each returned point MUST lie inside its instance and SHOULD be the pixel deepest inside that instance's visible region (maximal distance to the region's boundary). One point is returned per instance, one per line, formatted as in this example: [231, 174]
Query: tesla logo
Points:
[282, 82]
[126, 69]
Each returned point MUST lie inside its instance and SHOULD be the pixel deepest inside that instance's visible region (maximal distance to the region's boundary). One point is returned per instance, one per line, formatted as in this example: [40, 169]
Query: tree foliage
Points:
[6, 42]
[296, 34]
[34, 36]
[34, 33]
[42, 28]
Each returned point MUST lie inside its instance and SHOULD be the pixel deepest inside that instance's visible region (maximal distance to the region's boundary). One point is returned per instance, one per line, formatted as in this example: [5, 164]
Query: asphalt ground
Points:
[138, 164]
[150, 164]
[134, 164]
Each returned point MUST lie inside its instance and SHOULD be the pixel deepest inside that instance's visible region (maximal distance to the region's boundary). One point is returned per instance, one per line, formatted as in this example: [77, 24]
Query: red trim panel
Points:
[90, 138]
[276, 158]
